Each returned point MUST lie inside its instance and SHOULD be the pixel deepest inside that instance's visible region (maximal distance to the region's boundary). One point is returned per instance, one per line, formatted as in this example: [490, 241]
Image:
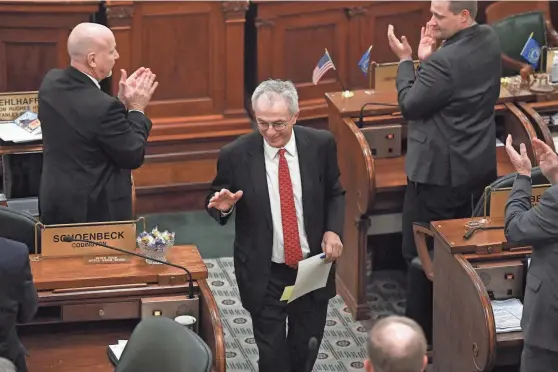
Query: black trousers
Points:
[426, 203]
[534, 359]
[279, 350]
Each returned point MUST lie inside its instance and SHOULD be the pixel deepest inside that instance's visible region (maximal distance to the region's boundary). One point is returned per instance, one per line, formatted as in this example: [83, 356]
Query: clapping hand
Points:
[520, 160]
[427, 43]
[136, 91]
[402, 49]
[548, 160]
[224, 200]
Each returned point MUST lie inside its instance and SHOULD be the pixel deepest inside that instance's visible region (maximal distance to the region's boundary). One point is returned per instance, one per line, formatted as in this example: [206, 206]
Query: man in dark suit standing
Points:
[449, 105]
[283, 184]
[18, 299]
[91, 140]
[536, 226]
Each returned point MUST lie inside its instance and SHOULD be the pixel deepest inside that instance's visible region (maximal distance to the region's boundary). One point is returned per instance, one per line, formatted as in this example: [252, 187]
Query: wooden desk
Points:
[85, 307]
[463, 313]
[375, 187]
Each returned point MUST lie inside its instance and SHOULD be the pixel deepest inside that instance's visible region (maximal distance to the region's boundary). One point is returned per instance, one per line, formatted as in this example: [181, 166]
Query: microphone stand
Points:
[70, 239]
[360, 123]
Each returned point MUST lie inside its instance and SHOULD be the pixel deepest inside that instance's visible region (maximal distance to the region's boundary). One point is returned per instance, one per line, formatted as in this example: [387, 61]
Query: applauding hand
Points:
[548, 160]
[136, 91]
[427, 43]
[224, 200]
[402, 49]
[520, 160]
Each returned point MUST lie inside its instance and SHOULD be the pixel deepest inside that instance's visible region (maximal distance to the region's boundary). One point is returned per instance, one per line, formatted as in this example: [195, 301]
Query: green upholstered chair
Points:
[513, 32]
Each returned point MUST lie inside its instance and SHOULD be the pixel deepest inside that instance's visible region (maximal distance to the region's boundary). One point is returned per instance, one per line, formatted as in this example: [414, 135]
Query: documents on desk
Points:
[312, 274]
[507, 315]
[26, 128]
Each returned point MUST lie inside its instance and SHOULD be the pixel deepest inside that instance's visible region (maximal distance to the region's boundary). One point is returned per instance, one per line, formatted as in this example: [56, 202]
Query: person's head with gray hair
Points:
[6, 365]
[92, 50]
[396, 344]
[275, 105]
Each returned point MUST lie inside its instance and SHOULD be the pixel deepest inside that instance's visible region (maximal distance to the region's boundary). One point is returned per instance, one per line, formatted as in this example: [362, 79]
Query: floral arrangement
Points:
[156, 243]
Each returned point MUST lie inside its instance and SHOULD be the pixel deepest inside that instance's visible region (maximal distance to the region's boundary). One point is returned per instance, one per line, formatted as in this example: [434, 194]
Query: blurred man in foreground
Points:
[537, 227]
[449, 105]
[18, 300]
[91, 140]
[396, 344]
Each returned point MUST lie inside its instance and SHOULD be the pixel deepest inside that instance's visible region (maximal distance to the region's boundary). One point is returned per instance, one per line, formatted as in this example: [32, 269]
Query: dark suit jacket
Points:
[450, 108]
[18, 299]
[537, 227]
[90, 145]
[241, 166]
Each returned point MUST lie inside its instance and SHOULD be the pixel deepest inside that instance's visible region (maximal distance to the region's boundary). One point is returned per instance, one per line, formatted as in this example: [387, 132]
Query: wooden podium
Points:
[375, 185]
[84, 307]
[466, 272]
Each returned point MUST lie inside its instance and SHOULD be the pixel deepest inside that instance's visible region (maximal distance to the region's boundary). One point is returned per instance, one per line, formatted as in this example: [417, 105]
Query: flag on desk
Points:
[532, 51]
[364, 63]
[324, 65]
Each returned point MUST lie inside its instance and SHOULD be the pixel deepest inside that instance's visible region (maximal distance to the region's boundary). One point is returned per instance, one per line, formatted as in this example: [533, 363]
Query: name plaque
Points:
[499, 198]
[119, 234]
[13, 104]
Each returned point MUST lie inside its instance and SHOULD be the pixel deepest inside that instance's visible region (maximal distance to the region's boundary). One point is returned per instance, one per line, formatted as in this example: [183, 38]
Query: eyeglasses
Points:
[277, 125]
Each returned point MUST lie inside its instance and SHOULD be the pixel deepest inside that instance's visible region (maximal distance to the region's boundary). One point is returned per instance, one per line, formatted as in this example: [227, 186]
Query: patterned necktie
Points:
[291, 239]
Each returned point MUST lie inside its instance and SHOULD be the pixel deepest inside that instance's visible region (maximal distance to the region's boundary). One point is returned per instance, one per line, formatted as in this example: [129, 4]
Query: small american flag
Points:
[324, 65]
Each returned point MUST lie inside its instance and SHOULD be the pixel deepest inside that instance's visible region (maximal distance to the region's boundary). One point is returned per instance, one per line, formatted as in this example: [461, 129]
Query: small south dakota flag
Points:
[364, 62]
[532, 51]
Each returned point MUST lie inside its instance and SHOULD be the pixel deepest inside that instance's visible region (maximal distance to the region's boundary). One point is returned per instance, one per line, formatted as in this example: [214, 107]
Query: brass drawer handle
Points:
[101, 312]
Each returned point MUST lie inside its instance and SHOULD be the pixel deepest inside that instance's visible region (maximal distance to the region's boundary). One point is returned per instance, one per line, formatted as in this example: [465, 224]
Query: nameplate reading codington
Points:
[12, 105]
[116, 234]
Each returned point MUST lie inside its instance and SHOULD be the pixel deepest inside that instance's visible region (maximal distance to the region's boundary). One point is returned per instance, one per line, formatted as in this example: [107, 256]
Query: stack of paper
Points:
[26, 128]
[118, 348]
[507, 315]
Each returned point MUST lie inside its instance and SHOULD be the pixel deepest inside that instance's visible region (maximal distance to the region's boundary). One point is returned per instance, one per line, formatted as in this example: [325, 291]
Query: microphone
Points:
[360, 123]
[69, 239]
[312, 348]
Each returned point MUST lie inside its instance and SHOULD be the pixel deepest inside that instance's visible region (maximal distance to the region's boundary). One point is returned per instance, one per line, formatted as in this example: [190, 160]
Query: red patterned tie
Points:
[291, 239]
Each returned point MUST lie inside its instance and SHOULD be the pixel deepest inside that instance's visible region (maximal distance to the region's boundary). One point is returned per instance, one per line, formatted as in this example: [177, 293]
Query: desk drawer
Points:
[101, 311]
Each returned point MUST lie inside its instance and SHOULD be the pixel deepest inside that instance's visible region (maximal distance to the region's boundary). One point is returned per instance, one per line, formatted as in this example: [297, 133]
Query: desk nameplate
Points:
[13, 104]
[499, 198]
[119, 234]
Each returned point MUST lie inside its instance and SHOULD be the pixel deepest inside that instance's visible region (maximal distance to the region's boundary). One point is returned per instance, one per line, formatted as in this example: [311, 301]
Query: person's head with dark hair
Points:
[450, 17]
[396, 344]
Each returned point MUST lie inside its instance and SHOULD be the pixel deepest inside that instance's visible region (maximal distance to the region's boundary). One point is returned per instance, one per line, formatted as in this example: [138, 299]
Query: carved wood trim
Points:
[260, 22]
[119, 12]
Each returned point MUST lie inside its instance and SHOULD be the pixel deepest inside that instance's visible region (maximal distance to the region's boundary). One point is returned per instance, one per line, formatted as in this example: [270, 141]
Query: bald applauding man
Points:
[396, 344]
[91, 140]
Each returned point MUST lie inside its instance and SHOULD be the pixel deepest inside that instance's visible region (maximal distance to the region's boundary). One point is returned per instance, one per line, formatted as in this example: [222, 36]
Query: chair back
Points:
[18, 226]
[161, 344]
[506, 181]
[514, 31]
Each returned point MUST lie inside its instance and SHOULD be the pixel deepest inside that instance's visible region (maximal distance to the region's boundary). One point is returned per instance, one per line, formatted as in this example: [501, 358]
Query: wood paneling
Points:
[292, 36]
[196, 48]
[33, 39]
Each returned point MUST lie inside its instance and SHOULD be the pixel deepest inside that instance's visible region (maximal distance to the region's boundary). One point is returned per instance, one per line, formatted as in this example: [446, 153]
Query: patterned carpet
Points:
[343, 347]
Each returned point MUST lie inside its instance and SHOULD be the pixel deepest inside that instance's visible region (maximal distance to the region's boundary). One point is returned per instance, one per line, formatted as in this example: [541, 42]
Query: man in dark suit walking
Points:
[91, 140]
[18, 299]
[449, 105]
[536, 226]
[283, 184]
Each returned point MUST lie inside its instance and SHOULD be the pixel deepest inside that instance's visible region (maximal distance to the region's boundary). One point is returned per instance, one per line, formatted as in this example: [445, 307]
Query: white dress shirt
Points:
[271, 155]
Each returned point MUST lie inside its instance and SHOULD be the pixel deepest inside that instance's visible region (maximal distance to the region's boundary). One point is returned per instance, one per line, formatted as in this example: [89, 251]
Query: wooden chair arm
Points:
[551, 33]
[133, 198]
[420, 233]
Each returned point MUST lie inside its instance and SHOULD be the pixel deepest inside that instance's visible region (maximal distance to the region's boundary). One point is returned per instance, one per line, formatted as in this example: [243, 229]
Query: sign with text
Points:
[14, 104]
[499, 198]
[385, 74]
[116, 234]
